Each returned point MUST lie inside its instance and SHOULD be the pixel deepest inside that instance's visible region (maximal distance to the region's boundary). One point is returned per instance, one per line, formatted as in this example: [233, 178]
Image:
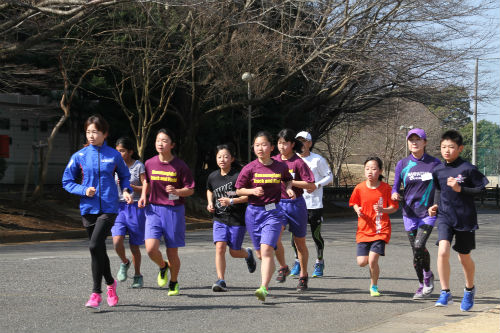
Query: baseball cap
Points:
[417, 131]
[305, 135]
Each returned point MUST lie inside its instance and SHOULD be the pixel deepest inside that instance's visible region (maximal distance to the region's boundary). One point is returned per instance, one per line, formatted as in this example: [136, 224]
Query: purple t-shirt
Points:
[160, 174]
[416, 178]
[299, 171]
[269, 177]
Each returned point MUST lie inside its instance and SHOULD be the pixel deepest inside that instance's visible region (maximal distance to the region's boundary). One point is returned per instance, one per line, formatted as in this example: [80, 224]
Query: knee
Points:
[419, 253]
[362, 261]
[233, 253]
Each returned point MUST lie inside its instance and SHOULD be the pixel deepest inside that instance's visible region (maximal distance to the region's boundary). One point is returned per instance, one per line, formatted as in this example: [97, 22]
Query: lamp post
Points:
[247, 77]
[401, 128]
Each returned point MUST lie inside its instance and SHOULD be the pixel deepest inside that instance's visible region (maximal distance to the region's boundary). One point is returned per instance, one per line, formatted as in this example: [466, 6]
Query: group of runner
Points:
[121, 195]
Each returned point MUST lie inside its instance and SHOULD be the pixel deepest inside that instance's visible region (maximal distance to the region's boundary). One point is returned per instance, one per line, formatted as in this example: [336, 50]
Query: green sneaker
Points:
[122, 272]
[163, 276]
[174, 291]
[138, 282]
[374, 291]
[261, 293]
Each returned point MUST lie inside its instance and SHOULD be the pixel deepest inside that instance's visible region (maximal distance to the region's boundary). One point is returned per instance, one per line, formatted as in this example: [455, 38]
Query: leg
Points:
[136, 258]
[174, 263]
[362, 261]
[468, 267]
[315, 219]
[374, 267]
[443, 264]
[294, 247]
[300, 242]
[238, 253]
[280, 251]
[220, 259]
[417, 265]
[153, 250]
[268, 266]
[120, 248]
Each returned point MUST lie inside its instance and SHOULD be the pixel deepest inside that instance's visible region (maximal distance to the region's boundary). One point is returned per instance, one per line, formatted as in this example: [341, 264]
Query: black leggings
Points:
[421, 258]
[98, 231]
[314, 217]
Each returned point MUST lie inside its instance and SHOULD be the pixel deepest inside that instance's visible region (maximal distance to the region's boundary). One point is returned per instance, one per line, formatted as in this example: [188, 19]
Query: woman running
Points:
[261, 180]
[130, 219]
[295, 209]
[229, 215]
[90, 174]
[415, 174]
[168, 182]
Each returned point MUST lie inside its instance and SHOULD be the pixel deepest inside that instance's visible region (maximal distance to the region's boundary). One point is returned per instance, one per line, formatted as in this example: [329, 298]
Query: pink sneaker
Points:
[112, 296]
[94, 301]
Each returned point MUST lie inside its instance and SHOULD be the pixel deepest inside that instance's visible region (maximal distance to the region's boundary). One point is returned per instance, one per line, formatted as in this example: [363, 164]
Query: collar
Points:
[413, 158]
[455, 163]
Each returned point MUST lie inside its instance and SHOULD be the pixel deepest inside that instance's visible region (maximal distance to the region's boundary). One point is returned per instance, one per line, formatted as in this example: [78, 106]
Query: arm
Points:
[138, 188]
[324, 172]
[145, 189]
[357, 209]
[303, 184]
[397, 182]
[233, 201]
[289, 191]
[257, 191]
[210, 200]
[69, 178]
[181, 192]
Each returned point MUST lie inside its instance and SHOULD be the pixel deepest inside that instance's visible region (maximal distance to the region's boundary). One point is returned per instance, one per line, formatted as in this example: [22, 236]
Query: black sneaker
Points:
[282, 274]
[251, 263]
[220, 285]
[302, 286]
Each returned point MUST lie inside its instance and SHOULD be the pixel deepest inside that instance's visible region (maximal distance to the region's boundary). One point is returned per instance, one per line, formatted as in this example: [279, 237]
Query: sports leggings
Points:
[314, 217]
[421, 258]
[97, 233]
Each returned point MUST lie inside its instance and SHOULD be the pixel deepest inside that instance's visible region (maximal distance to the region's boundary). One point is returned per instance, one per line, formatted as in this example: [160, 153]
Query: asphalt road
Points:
[44, 286]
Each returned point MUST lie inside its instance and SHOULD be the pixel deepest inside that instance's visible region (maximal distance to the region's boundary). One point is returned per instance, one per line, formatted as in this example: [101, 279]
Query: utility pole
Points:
[474, 119]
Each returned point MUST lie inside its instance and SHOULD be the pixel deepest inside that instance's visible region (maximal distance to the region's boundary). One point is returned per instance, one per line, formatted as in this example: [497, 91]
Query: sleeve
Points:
[287, 176]
[187, 177]
[437, 188]
[397, 177]
[476, 184]
[355, 197]
[142, 169]
[147, 172]
[209, 183]
[123, 174]
[243, 180]
[324, 172]
[70, 175]
[305, 172]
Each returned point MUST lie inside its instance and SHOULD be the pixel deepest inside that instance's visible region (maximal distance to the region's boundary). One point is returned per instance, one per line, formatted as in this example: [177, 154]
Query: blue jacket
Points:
[96, 166]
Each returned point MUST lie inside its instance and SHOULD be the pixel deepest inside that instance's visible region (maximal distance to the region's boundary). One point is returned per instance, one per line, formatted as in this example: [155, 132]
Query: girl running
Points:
[90, 174]
[229, 215]
[415, 174]
[372, 202]
[295, 209]
[168, 182]
[261, 180]
[130, 219]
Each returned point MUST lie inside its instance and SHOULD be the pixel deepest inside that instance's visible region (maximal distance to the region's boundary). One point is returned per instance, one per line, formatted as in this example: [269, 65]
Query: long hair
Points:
[289, 136]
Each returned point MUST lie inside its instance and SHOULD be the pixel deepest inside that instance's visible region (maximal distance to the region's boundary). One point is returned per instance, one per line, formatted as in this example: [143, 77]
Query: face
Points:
[94, 136]
[126, 154]
[285, 147]
[416, 144]
[262, 147]
[450, 150]
[306, 145]
[224, 159]
[163, 143]
[372, 171]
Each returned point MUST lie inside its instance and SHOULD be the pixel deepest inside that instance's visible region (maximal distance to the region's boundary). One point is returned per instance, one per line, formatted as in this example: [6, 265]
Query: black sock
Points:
[164, 267]
[171, 285]
[469, 289]
[447, 290]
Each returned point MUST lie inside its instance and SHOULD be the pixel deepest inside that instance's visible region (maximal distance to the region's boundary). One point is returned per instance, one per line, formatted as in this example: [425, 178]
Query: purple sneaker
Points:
[428, 283]
[419, 293]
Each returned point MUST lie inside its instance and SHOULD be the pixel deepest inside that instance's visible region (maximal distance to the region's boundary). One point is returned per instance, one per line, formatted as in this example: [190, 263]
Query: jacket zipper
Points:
[99, 174]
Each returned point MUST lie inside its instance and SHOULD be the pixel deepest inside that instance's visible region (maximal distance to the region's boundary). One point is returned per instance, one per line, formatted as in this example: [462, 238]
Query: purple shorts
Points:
[166, 221]
[130, 220]
[364, 248]
[296, 215]
[412, 223]
[264, 226]
[233, 235]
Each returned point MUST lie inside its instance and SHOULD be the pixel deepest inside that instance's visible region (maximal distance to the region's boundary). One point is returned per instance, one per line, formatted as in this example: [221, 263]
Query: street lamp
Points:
[247, 77]
[403, 127]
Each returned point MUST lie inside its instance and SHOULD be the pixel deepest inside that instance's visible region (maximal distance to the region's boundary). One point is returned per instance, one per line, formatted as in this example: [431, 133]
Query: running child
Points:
[372, 202]
[90, 174]
[130, 220]
[229, 215]
[457, 182]
[295, 209]
[261, 180]
[415, 174]
[168, 182]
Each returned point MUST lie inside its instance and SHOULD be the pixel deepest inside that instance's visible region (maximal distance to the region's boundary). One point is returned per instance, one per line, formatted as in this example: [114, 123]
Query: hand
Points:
[291, 193]
[210, 207]
[128, 198]
[360, 214]
[170, 189]
[452, 182]
[378, 208]
[224, 202]
[258, 191]
[141, 203]
[90, 192]
[433, 210]
[312, 190]
[395, 196]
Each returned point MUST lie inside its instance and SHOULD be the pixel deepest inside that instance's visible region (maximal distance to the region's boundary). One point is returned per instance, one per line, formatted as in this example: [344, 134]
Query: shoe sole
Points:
[260, 296]
[463, 310]
[137, 287]
[217, 288]
[98, 308]
[441, 305]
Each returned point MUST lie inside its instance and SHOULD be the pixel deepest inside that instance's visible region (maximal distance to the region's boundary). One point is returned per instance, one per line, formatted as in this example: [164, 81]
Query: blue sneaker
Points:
[444, 299]
[295, 269]
[318, 269]
[219, 285]
[468, 300]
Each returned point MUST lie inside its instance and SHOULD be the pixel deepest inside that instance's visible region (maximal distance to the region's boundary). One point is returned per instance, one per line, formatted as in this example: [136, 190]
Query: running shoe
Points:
[138, 281]
[112, 296]
[122, 272]
[374, 291]
[468, 300]
[261, 293]
[302, 286]
[94, 301]
[219, 285]
[318, 269]
[163, 276]
[251, 263]
[419, 293]
[445, 299]
[428, 284]
[282, 274]
[295, 269]
[174, 290]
